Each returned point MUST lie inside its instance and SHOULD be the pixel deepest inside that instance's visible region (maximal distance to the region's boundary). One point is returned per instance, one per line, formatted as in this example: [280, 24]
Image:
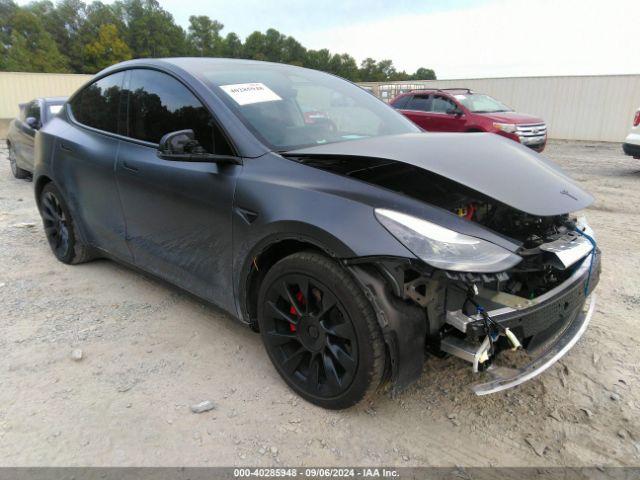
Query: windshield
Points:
[481, 103]
[289, 107]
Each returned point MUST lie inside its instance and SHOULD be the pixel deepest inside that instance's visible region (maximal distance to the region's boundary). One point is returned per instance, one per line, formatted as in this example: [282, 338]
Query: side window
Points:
[401, 102]
[419, 102]
[442, 105]
[33, 110]
[98, 105]
[160, 104]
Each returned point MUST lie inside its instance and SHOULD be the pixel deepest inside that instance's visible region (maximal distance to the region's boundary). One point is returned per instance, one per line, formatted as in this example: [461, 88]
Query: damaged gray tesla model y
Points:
[355, 243]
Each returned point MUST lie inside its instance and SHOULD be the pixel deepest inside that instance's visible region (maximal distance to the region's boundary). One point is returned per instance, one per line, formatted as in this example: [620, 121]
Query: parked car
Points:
[631, 145]
[22, 130]
[353, 244]
[461, 110]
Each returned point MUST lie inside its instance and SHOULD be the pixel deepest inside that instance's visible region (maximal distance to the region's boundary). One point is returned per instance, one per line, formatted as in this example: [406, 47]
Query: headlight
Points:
[444, 248]
[506, 127]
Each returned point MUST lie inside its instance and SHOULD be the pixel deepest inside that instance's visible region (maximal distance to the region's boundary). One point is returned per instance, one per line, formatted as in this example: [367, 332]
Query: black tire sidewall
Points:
[357, 307]
[16, 171]
[69, 255]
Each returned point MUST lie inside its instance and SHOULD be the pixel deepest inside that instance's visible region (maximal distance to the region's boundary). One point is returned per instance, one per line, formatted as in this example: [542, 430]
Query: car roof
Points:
[189, 64]
[54, 99]
[449, 91]
[49, 100]
[45, 100]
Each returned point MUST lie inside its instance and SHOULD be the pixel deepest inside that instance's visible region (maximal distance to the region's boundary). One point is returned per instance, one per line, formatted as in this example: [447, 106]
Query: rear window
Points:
[33, 110]
[401, 102]
[419, 102]
[98, 105]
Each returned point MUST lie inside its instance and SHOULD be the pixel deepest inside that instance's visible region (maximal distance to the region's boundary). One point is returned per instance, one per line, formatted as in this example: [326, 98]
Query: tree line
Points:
[76, 37]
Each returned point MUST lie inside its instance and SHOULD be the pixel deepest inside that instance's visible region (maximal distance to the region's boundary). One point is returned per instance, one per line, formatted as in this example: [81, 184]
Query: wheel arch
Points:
[404, 326]
[40, 183]
[267, 253]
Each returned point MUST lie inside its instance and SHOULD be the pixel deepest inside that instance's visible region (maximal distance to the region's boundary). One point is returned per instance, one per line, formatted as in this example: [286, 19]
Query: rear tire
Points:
[17, 172]
[320, 331]
[61, 229]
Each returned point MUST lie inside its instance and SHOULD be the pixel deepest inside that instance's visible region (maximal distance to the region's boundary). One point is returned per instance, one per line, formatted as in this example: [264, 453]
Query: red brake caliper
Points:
[293, 310]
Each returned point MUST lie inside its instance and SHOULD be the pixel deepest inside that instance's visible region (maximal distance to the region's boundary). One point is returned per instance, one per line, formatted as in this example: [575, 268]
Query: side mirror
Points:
[176, 143]
[33, 123]
[182, 146]
[455, 111]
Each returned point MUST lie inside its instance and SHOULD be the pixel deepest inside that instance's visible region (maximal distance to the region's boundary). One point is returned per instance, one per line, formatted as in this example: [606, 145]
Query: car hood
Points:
[512, 117]
[490, 164]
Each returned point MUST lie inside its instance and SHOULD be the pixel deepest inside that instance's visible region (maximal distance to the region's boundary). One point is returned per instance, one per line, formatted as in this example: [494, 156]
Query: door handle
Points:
[66, 147]
[131, 168]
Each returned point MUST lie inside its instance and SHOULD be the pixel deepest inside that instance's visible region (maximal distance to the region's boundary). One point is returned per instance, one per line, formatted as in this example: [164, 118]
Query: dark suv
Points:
[22, 130]
[462, 110]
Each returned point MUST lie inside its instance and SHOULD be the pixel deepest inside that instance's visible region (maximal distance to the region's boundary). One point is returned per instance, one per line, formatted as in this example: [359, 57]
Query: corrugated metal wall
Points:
[597, 108]
[19, 87]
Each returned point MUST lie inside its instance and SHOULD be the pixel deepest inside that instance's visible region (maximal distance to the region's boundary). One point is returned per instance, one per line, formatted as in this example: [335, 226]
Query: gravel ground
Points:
[150, 352]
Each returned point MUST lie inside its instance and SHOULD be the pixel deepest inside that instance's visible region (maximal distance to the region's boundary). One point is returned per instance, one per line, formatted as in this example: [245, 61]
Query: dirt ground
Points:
[150, 351]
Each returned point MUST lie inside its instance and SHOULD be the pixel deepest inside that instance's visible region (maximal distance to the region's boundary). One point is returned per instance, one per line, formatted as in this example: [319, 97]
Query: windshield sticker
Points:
[248, 93]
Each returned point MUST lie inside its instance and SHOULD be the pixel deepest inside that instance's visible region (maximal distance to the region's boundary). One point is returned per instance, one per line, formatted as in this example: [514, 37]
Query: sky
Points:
[457, 38]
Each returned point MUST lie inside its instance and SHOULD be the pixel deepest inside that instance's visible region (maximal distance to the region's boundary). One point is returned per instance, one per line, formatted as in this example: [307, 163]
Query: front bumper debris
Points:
[549, 326]
[504, 378]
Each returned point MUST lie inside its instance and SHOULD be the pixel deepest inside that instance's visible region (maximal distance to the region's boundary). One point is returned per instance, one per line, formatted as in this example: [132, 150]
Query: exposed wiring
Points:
[488, 322]
[593, 254]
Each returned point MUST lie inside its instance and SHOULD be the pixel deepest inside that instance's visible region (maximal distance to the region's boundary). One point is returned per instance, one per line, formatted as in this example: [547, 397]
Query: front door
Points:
[178, 214]
[446, 115]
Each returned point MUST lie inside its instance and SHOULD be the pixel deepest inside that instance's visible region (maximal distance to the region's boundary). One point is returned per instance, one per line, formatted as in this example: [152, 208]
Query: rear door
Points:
[178, 213]
[417, 109]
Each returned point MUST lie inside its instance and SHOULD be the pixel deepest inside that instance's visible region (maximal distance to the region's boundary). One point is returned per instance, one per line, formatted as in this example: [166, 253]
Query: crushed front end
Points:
[540, 306]
[499, 261]
[546, 326]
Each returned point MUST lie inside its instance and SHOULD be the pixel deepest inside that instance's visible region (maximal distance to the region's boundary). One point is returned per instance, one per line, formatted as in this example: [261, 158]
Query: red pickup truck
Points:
[461, 110]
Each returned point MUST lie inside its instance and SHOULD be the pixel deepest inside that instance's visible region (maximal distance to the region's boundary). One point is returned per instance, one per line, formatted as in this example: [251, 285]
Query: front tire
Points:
[61, 229]
[320, 331]
[17, 172]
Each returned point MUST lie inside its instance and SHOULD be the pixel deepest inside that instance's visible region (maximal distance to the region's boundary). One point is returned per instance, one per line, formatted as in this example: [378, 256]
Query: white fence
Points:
[597, 108]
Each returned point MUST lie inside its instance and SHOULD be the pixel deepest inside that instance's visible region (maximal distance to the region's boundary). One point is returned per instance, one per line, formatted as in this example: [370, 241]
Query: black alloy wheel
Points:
[60, 228]
[56, 225]
[315, 334]
[16, 171]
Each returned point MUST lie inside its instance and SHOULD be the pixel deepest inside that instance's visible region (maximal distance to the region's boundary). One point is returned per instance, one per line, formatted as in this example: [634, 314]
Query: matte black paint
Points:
[178, 219]
[199, 225]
